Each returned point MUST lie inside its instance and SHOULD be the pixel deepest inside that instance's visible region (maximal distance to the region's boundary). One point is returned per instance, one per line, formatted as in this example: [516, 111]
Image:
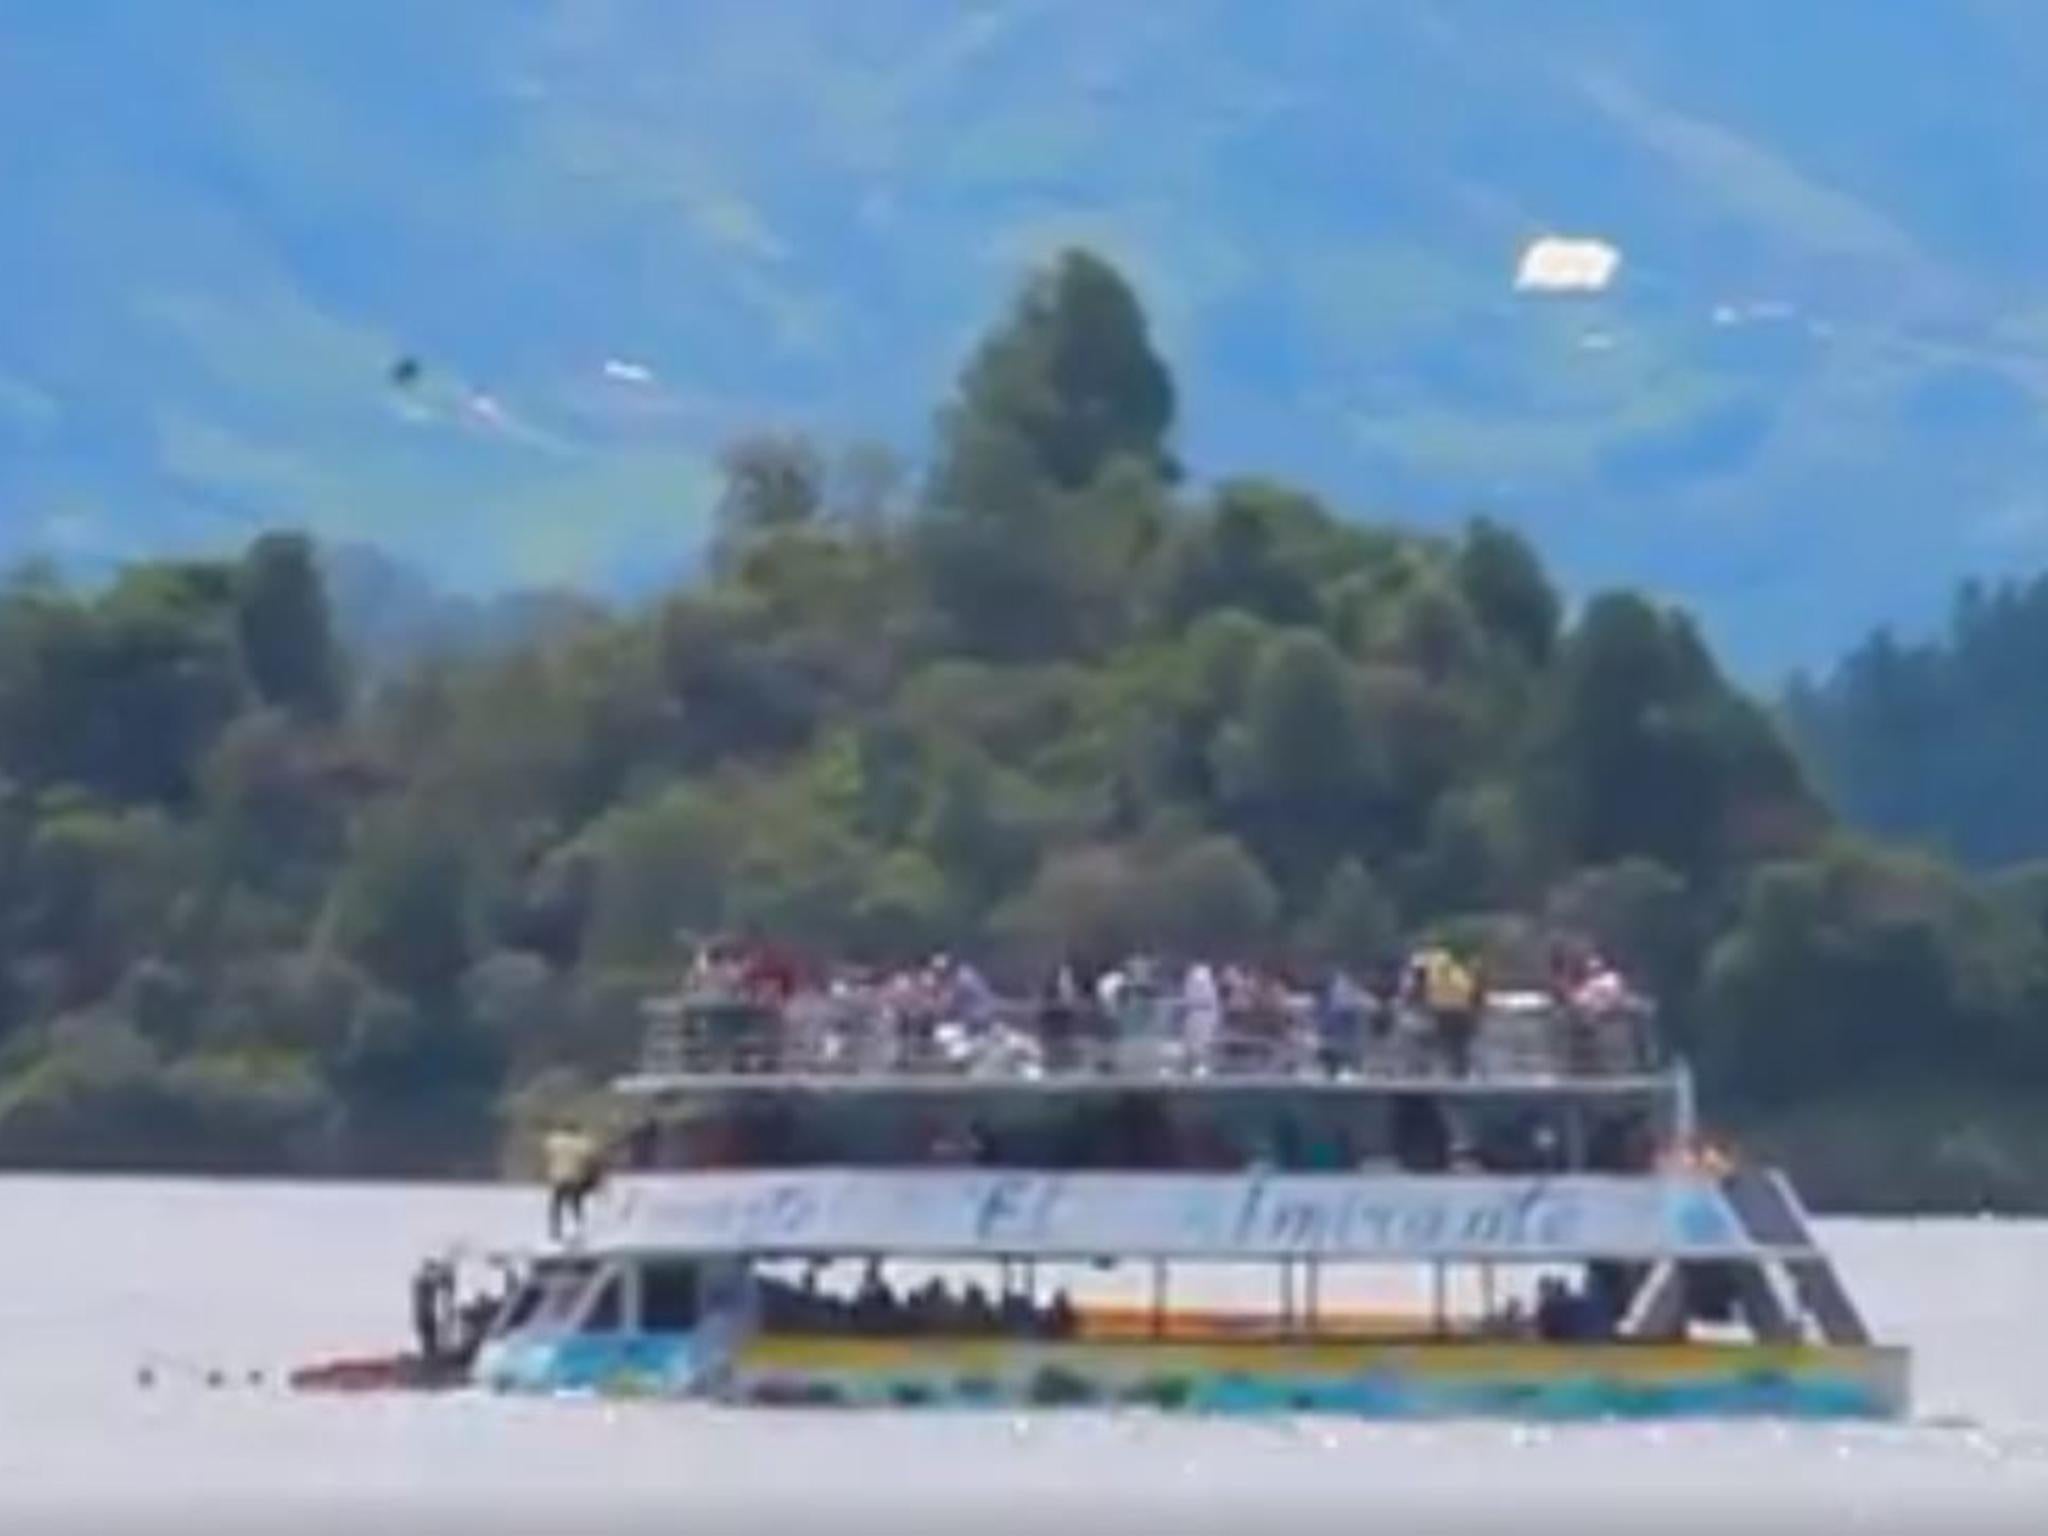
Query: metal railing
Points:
[825, 1035]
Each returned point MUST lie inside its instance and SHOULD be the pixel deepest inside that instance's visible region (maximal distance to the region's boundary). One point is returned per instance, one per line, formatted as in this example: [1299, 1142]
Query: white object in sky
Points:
[628, 373]
[1555, 264]
[485, 409]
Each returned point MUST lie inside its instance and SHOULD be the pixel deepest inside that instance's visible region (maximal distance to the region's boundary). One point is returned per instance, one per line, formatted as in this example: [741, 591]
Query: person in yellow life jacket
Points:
[574, 1169]
[1451, 995]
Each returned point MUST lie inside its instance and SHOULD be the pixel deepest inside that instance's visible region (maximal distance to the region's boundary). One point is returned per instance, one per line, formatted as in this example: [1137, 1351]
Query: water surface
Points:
[197, 1282]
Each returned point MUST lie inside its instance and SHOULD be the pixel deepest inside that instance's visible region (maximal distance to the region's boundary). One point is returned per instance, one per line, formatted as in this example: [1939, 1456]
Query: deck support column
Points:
[1575, 1138]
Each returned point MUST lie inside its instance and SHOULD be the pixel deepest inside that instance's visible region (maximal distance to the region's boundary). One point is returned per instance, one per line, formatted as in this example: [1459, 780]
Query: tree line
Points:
[260, 909]
[1938, 741]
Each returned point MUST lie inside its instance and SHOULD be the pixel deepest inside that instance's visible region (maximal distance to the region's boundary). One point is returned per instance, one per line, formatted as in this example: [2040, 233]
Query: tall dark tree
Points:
[1071, 380]
[1048, 486]
[286, 630]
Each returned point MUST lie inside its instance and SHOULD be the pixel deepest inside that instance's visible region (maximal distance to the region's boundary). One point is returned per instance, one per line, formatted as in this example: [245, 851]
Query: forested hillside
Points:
[258, 912]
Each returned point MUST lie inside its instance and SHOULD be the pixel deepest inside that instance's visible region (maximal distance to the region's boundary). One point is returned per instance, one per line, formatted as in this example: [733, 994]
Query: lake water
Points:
[107, 1277]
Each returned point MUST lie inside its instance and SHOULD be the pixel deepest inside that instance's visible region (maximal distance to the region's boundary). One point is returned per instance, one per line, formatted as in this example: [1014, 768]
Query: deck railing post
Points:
[1687, 1107]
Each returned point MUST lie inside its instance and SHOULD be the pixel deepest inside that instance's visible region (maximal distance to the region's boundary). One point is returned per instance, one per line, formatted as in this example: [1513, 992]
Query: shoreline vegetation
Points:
[267, 908]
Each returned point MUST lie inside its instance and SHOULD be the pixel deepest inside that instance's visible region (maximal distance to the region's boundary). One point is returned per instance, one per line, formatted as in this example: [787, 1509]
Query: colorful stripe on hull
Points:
[1363, 1379]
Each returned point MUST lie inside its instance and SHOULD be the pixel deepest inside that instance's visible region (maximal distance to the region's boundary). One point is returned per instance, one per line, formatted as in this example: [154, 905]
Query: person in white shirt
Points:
[1201, 1015]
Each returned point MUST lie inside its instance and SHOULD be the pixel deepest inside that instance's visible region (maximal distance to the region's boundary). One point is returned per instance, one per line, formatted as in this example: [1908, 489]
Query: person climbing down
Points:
[574, 1171]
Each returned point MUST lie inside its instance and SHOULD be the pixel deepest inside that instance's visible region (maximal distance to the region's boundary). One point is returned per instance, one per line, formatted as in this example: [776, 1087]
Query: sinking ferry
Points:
[800, 1216]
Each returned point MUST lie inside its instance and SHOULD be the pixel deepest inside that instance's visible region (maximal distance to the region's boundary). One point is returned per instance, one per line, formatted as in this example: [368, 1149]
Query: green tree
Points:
[661, 870]
[736, 691]
[1648, 753]
[773, 483]
[1474, 857]
[404, 908]
[1297, 771]
[1354, 922]
[1860, 969]
[121, 695]
[1210, 897]
[103, 887]
[1263, 549]
[1087, 904]
[1504, 583]
[902, 910]
[278, 807]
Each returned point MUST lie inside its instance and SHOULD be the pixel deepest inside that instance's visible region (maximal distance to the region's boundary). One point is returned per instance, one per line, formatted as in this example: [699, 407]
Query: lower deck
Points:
[1463, 1341]
[1377, 1379]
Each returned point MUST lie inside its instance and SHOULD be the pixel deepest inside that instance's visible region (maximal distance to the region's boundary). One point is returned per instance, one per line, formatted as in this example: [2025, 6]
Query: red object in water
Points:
[378, 1373]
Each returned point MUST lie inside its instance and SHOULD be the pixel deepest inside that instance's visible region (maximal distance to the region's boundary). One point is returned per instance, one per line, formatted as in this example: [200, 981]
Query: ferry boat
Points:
[814, 1208]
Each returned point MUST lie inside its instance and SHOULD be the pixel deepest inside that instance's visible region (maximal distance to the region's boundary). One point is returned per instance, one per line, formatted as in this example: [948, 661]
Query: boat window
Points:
[668, 1298]
[561, 1288]
[549, 1298]
[523, 1307]
[608, 1312]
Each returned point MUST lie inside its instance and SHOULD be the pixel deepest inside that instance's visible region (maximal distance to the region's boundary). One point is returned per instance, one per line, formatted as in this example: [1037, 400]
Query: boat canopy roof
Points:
[1254, 1216]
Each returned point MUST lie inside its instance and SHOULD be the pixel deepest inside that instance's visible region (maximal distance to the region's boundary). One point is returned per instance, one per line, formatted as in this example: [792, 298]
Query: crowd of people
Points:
[878, 1310]
[758, 1007]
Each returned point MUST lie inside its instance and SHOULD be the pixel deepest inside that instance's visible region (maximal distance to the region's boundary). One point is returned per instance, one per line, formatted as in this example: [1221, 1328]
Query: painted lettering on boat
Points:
[1346, 1220]
[1018, 1208]
[1082, 1214]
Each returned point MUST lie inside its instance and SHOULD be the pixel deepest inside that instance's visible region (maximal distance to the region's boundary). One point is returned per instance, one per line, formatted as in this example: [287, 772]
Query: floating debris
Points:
[1557, 264]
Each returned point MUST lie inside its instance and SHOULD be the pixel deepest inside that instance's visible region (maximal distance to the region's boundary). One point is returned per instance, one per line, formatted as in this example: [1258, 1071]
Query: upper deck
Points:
[852, 1042]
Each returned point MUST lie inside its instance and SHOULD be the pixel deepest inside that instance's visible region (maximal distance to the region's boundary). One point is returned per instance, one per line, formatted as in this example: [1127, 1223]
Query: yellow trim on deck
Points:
[1458, 1358]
